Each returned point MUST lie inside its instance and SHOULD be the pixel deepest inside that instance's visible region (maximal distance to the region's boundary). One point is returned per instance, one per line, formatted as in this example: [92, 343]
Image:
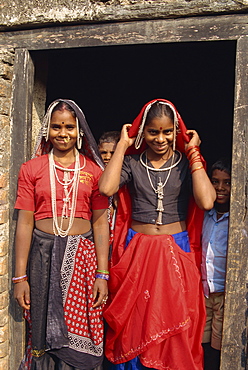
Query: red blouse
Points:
[34, 193]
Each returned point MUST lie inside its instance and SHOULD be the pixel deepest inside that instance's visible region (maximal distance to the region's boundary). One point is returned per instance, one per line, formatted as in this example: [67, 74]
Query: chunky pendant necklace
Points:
[160, 186]
[69, 205]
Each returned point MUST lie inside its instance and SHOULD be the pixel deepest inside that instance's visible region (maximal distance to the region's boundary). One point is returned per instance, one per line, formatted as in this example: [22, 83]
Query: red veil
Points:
[123, 218]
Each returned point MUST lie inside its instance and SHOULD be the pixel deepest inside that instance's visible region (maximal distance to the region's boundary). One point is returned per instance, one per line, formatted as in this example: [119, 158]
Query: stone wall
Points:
[23, 13]
[6, 70]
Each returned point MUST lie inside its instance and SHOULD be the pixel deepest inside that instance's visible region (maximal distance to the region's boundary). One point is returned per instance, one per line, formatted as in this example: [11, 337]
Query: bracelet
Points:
[20, 280]
[197, 158]
[102, 276]
[196, 147]
[19, 277]
[192, 151]
[103, 271]
[197, 168]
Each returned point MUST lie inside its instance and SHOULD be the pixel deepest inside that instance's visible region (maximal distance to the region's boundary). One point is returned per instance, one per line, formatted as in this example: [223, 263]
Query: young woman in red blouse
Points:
[62, 243]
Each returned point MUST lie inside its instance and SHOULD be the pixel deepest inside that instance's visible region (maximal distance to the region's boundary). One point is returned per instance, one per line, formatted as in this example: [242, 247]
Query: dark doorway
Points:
[112, 83]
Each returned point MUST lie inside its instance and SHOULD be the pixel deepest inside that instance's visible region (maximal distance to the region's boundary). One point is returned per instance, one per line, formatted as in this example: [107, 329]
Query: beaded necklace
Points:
[69, 205]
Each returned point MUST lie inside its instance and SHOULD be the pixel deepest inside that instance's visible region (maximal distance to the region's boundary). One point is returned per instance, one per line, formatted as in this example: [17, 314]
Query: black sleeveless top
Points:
[144, 199]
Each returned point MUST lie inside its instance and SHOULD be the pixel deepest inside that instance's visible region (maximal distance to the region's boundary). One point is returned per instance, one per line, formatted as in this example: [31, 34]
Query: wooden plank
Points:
[212, 28]
[20, 152]
[234, 345]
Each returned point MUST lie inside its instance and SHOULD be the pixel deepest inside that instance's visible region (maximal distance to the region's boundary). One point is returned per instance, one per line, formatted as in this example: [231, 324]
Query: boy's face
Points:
[106, 151]
[221, 181]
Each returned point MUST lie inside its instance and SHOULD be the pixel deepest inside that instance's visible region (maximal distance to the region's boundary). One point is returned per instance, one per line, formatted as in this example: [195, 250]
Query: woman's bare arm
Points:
[101, 239]
[203, 190]
[23, 238]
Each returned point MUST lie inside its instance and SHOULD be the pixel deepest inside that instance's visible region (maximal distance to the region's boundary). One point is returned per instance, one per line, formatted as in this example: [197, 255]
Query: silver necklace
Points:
[221, 213]
[69, 205]
[164, 168]
[160, 186]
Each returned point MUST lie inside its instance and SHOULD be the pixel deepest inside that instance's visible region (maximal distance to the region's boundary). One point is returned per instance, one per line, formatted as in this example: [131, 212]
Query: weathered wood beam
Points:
[210, 28]
[20, 152]
[234, 344]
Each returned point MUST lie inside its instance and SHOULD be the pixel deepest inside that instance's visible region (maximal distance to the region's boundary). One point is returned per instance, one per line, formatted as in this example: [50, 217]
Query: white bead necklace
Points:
[69, 206]
[160, 186]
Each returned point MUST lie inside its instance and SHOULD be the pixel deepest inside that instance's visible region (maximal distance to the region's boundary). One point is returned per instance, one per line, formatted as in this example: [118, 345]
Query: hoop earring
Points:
[80, 140]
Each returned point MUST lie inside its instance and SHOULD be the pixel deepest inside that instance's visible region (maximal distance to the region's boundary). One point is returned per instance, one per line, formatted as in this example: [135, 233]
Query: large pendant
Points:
[66, 199]
[160, 207]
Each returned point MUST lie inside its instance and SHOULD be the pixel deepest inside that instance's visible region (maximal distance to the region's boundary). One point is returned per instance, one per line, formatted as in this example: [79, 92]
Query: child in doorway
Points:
[107, 145]
[214, 252]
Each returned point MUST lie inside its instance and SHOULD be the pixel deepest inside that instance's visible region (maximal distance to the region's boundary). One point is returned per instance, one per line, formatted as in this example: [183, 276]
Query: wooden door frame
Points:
[193, 29]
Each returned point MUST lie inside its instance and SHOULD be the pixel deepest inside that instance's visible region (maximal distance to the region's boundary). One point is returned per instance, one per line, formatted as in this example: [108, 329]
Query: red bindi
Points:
[160, 128]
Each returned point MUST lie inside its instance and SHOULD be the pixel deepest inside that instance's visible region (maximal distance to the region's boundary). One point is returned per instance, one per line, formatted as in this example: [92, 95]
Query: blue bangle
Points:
[102, 276]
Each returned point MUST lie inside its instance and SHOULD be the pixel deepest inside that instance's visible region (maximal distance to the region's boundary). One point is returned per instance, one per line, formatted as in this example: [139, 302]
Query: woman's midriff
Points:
[79, 226]
[151, 229]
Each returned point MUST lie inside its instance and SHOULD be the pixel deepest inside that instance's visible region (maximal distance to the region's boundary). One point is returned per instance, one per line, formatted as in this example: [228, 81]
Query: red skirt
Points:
[157, 310]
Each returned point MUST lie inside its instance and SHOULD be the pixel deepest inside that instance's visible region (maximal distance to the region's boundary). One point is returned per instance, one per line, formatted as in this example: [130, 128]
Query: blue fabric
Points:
[214, 251]
[182, 239]
[133, 364]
